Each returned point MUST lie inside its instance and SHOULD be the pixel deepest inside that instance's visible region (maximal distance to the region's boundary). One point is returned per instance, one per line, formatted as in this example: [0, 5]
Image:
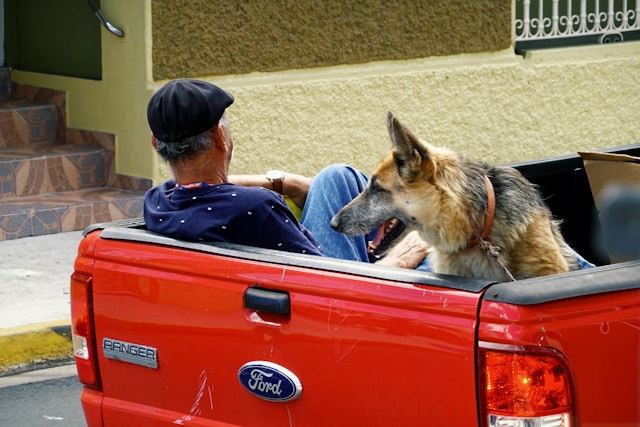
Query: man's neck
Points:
[198, 170]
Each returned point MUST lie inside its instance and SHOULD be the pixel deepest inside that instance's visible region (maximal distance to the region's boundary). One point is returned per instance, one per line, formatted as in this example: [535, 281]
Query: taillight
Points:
[84, 347]
[524, 387]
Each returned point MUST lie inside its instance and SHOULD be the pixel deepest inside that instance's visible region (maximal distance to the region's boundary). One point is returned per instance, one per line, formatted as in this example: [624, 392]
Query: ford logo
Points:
[270, 381]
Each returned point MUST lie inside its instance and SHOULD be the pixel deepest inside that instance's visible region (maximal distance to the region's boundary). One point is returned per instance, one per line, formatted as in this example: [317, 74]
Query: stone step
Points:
[50, 167]
[66, 211]
[52, 178]
[25, 121]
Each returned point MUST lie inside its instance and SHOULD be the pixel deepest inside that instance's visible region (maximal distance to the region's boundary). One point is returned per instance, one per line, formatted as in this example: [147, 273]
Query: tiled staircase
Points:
[52, 178]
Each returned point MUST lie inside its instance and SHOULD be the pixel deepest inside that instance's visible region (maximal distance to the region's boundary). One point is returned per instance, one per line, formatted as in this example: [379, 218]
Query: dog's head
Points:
[405, 186]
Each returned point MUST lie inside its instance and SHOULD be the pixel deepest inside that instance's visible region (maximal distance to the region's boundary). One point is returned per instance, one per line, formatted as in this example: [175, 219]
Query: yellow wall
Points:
[495, 106]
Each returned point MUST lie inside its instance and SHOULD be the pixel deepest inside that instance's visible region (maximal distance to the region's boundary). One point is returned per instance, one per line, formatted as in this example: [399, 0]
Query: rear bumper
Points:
[92, 406]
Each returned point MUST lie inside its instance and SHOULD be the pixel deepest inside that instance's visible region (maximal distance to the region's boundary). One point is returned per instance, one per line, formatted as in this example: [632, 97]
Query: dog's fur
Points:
[442, 195]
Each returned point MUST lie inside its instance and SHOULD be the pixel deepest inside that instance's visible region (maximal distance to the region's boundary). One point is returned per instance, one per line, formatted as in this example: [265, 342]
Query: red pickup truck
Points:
[168, 332]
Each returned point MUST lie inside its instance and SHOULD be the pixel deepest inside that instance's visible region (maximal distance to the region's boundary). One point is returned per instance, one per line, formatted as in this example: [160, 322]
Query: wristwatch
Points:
[276, 177]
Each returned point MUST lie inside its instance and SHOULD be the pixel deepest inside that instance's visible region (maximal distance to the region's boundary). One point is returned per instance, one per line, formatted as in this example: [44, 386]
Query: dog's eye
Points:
[375, 185]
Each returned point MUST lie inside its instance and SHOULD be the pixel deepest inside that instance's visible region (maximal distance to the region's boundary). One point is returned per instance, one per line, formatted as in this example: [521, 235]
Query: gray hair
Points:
[185, 148]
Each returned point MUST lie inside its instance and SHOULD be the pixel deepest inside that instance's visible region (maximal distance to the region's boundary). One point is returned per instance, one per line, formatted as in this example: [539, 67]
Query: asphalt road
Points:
[48, 397]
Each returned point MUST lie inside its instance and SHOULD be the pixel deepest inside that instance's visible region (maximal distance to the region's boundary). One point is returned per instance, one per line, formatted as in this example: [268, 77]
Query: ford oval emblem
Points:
[270, 381]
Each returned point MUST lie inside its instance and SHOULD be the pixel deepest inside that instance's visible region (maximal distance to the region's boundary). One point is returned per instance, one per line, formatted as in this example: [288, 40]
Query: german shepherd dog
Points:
[480, 221]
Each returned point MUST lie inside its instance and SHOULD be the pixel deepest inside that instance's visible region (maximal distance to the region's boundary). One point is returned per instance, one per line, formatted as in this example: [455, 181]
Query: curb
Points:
[35, 346]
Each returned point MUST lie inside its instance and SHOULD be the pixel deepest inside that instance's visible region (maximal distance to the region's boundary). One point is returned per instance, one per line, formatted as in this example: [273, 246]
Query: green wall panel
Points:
[53, 37]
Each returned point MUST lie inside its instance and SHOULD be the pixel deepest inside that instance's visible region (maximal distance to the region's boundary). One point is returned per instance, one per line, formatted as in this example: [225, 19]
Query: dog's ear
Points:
[412, 158]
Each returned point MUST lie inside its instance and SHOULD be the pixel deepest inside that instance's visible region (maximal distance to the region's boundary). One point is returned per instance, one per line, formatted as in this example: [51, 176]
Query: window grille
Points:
[554, 23]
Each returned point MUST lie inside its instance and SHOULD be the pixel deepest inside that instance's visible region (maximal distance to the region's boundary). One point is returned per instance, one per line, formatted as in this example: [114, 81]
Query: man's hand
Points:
[296, 187]
[407, 253]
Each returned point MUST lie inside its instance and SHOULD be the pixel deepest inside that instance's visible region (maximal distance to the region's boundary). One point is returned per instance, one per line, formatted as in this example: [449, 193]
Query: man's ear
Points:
[412, 158]
[218, 134]
[154, 142]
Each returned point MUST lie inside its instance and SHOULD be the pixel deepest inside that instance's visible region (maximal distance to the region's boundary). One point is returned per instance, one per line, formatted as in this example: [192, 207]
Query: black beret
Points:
[186, 107]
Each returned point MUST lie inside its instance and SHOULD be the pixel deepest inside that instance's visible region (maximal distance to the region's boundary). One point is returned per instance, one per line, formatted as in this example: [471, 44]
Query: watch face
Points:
[275, 175]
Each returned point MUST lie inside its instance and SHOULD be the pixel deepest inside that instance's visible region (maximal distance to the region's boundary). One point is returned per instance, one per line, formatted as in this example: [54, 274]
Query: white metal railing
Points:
[549, 19]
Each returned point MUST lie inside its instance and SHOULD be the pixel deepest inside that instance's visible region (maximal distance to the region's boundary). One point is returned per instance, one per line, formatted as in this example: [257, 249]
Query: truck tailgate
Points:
[367, 350]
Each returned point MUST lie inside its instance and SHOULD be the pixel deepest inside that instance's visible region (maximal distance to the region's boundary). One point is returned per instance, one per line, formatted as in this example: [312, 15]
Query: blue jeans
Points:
[334, 187]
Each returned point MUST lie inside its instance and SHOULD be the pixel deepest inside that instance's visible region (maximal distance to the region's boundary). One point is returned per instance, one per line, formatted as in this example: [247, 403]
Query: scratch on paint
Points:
[284, 271]
[444, 301]
[195, 408]
[329, 316]
[542, 332]
[289, 415]
[628, 323]
[335, 320]
[346, 352]
[255, 317]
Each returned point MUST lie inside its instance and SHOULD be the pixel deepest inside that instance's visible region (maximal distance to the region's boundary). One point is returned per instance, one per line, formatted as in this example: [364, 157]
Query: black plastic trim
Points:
[135, 223]
[593, 281]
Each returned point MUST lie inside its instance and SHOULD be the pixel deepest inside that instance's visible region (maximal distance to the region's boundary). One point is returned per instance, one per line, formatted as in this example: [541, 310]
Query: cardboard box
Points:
[605, 169]
[615, 185]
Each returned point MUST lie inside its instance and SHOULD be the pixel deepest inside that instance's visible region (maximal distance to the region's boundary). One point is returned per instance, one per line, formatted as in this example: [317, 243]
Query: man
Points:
[203, 203]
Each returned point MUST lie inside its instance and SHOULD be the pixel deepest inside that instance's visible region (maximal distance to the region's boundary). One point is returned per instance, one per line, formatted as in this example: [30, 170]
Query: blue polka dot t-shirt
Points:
[226, 212]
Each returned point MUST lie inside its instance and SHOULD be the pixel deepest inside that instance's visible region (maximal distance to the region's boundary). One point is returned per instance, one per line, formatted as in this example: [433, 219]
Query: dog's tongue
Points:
[380, 234]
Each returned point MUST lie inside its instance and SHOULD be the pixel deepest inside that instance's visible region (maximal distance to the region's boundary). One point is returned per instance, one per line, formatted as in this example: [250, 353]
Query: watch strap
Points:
[276, 185]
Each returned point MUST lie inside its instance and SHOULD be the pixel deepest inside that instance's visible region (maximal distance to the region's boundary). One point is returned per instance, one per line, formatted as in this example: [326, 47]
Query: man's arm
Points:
[294, 186]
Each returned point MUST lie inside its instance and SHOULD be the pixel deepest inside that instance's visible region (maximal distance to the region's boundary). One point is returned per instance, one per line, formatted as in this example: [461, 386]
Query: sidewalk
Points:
[34, 301]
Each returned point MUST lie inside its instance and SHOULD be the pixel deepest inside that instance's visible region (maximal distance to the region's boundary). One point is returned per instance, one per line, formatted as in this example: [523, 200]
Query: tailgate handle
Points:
[266, 300]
